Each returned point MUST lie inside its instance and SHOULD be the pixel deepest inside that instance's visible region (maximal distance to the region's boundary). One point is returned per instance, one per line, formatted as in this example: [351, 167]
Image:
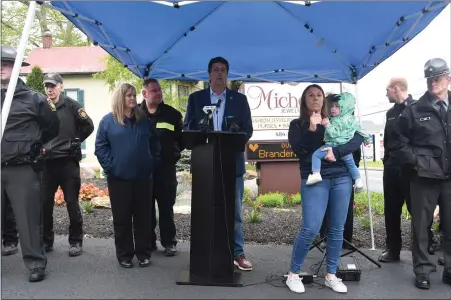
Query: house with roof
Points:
[77, 65]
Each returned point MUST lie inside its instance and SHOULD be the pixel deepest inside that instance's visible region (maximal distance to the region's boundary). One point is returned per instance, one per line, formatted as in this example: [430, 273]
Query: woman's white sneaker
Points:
[336, 285]
[294, 283]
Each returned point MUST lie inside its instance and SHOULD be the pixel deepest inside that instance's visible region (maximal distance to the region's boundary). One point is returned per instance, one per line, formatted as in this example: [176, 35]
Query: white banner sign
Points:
[273, 106]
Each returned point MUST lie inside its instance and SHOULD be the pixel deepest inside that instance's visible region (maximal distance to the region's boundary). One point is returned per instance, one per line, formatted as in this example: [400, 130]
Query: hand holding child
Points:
[330, 154]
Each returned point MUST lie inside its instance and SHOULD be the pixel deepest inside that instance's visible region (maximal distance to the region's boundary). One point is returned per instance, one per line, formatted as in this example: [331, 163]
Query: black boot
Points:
[422, 282]
[9, 250]
[389, 256]
[37, 274]
[446, 278]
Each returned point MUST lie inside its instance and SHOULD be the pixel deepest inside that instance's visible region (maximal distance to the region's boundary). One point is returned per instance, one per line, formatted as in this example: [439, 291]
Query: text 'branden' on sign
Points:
[269, 151]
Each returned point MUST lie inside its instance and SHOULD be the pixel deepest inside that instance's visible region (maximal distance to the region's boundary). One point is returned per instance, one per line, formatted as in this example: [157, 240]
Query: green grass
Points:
[278, 199]
[251, 167]
[372, 164]
[272, 199]
[377, 204]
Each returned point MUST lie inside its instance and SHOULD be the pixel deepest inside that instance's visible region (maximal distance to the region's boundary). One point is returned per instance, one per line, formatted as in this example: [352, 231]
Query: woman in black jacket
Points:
[332, 194]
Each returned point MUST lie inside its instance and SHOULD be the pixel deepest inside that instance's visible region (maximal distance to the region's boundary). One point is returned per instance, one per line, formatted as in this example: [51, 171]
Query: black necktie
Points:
[442, 110]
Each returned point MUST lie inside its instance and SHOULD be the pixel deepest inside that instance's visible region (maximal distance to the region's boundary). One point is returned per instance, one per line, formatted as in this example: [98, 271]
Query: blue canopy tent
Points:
[273, 41]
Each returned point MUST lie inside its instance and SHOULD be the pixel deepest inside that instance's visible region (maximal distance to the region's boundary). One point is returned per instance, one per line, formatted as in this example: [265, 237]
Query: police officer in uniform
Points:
[423, 144]
[396, 182]
[31, 123]
[169, 126]
[62, 168]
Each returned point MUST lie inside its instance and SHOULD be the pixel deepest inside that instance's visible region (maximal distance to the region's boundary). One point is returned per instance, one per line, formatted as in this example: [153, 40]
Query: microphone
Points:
[205, 122]
[209, 109]
[218, 104]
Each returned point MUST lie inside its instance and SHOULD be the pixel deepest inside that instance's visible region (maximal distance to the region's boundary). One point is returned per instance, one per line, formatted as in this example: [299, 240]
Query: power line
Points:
[414, 96]
[376, 112]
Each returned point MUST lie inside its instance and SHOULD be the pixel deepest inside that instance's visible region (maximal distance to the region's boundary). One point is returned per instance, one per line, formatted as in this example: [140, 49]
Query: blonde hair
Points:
[118, 103]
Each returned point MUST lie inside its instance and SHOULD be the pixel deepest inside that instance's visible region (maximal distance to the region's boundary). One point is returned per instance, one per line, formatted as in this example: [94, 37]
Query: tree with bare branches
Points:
[46, 20]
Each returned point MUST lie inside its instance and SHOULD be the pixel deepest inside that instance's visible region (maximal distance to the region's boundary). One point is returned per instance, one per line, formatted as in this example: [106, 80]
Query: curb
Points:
[371, 168]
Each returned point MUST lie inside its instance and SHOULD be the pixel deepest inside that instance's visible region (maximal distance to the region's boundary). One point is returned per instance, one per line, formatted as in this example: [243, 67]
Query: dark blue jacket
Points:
[236, 106]
[127, 152]
[304, 143]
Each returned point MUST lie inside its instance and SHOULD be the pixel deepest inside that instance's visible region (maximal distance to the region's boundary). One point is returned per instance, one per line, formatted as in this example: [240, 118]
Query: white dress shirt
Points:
[218, 115]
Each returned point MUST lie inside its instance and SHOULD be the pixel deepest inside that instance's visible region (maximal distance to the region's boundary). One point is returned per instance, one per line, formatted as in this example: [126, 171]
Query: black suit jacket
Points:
[236, 106]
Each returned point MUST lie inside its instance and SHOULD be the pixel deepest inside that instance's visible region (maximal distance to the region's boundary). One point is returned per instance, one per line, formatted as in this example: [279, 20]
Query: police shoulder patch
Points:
[52, 106]
[82, 113]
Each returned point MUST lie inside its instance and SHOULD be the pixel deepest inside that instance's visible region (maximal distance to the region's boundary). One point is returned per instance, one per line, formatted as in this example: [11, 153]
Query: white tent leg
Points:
[366, 171]
[17, 64]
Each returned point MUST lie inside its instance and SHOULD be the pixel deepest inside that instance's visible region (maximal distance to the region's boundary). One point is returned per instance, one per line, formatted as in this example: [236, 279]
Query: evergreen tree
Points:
[35, 80]
[184, 163]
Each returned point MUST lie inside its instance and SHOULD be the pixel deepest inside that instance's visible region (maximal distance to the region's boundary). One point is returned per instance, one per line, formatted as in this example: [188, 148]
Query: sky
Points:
[408, 62]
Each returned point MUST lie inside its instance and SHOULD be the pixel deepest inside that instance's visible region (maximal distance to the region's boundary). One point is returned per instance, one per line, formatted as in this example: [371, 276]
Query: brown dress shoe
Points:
[242, 263]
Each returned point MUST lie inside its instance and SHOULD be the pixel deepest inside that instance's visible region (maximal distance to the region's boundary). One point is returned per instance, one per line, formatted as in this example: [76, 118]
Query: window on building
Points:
[183, 91]
[79, 96]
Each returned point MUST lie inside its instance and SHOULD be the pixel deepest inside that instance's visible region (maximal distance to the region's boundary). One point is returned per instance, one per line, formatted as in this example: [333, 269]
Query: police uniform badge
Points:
[52, 106]
[82, 113]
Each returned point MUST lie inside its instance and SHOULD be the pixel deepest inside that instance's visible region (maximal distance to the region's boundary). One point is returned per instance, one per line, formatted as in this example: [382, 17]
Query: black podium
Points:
[212, 207]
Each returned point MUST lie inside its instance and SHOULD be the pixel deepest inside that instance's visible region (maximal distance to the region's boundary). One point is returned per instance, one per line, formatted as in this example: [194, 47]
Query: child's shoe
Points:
[358, 186]
[314, 178]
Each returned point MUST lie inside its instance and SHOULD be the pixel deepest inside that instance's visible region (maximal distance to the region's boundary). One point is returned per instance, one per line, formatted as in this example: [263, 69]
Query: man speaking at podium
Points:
[229, 105]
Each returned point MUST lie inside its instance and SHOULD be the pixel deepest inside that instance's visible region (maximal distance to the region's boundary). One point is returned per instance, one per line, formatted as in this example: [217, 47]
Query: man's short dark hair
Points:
[148, 81]
[218, 59]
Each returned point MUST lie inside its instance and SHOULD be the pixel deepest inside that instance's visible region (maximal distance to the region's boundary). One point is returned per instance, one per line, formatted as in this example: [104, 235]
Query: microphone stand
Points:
[206, 121]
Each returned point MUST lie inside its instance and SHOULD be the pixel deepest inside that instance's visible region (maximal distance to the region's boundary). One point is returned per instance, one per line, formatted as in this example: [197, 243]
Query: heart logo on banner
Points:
[253, 147]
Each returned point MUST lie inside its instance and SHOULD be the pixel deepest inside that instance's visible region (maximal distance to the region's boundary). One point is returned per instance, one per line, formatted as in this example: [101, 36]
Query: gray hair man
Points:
[62, 163]
[423, 145]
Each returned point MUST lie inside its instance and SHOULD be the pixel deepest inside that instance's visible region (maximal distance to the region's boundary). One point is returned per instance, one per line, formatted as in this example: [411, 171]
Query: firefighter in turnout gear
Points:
[423, 144]
[31, 123]
[62, 167]
[169, 126]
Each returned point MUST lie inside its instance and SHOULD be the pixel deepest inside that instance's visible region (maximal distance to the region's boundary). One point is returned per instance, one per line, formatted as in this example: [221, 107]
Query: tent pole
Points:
[17, 64]
[366, 170]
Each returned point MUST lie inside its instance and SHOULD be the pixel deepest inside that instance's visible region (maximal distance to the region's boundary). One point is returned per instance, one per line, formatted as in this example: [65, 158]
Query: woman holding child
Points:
[331, 190]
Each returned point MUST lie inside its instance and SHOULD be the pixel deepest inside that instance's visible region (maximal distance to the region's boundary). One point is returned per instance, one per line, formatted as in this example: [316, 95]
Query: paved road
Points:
[374, 180]
[97, 275]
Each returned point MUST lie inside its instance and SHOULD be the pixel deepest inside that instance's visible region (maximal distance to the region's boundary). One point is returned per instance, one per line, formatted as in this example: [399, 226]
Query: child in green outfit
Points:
[339, 130]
